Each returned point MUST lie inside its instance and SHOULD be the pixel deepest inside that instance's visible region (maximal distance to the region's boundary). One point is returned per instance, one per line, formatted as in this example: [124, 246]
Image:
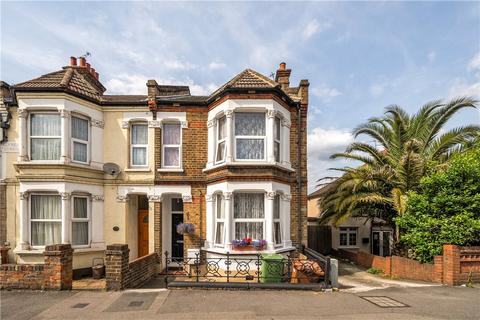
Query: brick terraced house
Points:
[82, 167]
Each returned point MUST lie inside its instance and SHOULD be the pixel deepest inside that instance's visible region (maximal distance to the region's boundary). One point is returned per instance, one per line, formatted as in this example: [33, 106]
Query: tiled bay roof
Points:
[248, 78]
[75, 79]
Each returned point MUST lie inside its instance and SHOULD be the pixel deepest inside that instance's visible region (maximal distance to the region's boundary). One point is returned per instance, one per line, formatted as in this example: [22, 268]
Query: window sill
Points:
[224, 251]
[76, 250]
[170, 170]
[137, 170]
[252, 163]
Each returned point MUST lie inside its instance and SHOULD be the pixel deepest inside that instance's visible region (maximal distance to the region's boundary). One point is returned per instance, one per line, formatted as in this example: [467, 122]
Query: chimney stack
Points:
[83, 61]
[88, 66]
[96, 75]
[283, 75]
[92, 71]
[73, 61]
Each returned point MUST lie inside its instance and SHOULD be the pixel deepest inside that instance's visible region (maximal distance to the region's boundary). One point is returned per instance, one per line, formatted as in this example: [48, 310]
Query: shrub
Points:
[373, 270]
[445, 210]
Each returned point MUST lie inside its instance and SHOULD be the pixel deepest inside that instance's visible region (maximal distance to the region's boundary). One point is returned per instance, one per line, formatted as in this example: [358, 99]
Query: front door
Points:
[381, 243]
[177, 239]
[142, 233]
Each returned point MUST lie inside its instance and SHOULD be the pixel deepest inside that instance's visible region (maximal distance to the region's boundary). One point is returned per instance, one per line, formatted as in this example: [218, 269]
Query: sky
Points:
[358, 56]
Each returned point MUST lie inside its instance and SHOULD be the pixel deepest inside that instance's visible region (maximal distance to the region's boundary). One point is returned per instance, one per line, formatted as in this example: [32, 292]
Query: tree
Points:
[406, 146]
[445, 209]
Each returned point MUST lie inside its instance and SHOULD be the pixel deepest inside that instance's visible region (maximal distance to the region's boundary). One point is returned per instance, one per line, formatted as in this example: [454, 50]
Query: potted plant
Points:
[247, 244]
[185, 228]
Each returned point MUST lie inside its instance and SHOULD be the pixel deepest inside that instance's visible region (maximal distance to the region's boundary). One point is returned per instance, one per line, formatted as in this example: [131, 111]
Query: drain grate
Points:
[384, 302]
[80, 305]
[135, 303]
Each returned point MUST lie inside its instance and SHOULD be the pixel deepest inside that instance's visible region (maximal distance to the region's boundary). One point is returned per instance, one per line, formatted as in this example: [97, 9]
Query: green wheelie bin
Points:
[272, 268]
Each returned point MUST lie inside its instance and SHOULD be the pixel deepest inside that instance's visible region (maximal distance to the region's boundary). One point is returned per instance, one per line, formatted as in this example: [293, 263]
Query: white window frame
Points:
[179, 146]
[87, 219]
[348, 231]
[277, 220]
[30, 220]
[235, 220]
[30, 137]
[279, 140]
[219, 141]
[219, 197]
[73, 140]
[145, 146]
[264, 138]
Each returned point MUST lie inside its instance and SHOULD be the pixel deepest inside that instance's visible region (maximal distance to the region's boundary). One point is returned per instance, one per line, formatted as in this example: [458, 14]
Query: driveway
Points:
[417, 303]
[352, 278]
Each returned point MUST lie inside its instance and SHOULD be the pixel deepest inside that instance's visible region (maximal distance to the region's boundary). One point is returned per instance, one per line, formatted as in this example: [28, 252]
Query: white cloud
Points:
[214, 65]
[475, 62]
[325, 93]
[314, 27]
[431, 56]
[463, 88]
[179, 65]
[377, 89]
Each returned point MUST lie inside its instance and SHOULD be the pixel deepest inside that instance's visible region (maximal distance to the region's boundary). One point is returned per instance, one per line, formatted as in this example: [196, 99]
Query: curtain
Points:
[80, 207]
[276, 207]
[250, 149]
[276, 151]
[277, 235]
[79, 151]
[249, 124]
[252, 230]
[80, 233]
[45, 149]
[171, 134]
[222, 128]
[46, 207]
[220, 206]
[248, 206]
[80, 128]
[139, 134]
[276, 129]
[171, 158]
[219, 233]
[45, 125]
[139, 156]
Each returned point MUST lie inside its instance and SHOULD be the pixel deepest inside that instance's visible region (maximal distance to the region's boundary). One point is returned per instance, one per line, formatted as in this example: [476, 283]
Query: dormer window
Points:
[250, 135]
[45, 136]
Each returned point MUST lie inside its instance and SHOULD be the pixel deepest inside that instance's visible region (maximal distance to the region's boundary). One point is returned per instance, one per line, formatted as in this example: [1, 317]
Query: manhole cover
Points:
[385, 302]
[135, 303]
[80, 305]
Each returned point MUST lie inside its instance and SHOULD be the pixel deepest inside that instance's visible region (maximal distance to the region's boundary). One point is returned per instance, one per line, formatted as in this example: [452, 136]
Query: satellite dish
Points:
[111, 168]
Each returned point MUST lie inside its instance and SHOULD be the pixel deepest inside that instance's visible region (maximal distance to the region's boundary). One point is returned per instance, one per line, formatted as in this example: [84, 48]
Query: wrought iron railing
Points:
[247, 268]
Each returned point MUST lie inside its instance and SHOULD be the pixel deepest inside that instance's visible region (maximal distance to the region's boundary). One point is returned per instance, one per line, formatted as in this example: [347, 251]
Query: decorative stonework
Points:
[22, 113]
[64, 113]
[286, 197]
[155, 123]
[97, 197]
[286, 123]
[271, 113]
[65, 195]
[211, 123]
[23, 195]
[187, 198]
[121, 198]
[271, 195]
[229, 113]
[209, 198]
[154, 198]
[184, 124]
[125, 124]
[98, 123]
[227, 195]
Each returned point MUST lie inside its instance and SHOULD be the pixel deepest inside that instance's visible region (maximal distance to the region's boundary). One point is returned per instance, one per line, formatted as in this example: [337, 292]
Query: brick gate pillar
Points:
[58, 267]
[451, 264]
[116, 266]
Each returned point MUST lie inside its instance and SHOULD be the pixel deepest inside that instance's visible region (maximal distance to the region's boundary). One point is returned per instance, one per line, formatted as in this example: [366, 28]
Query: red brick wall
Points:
[55, 274]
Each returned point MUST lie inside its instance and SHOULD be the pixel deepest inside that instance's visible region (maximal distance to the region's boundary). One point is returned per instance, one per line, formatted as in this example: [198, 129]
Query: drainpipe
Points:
[299, 176]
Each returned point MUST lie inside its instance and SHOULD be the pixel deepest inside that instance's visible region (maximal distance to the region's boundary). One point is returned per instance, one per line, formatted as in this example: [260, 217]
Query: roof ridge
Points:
[66, 77]
[262, 77]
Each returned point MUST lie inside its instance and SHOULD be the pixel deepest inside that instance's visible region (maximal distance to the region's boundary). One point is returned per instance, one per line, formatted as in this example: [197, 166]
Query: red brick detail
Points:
[54, 274]
[120, 274]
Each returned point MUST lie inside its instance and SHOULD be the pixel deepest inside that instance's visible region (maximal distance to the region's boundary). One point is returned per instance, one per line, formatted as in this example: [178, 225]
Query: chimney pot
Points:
[73, 61]
[88, 67]
[83, 61]
[283, 66]
[96, 75]
[92, 71]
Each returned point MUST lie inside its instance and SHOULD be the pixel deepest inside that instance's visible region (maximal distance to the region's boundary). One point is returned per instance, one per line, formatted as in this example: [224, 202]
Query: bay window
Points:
[171, 145]
[80, 221]
[277, 230]
[80, 138]
[276, 138]
[249, 215]
[45, 136]
[139, 145]
[45, 219]
[219, 220]
[250, 136]
[221, 137]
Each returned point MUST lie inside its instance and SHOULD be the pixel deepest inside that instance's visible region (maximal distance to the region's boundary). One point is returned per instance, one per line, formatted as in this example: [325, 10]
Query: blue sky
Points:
[358, 57]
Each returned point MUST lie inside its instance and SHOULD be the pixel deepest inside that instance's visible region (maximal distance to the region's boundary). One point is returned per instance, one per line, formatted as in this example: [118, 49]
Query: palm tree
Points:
[406, 147]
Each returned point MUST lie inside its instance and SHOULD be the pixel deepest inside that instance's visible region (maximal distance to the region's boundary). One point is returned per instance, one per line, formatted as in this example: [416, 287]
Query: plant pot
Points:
[248, 248]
